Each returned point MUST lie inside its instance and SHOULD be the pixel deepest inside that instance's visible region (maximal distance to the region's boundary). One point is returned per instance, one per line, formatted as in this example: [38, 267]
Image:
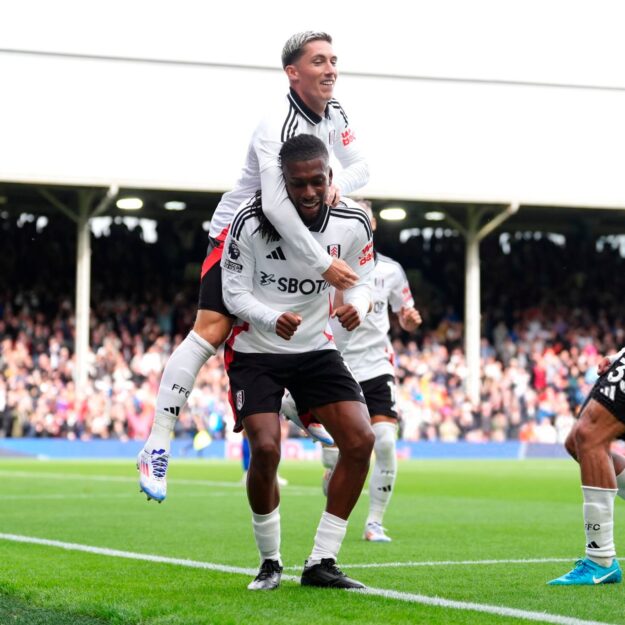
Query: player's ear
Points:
[330, 175]
[291, 72]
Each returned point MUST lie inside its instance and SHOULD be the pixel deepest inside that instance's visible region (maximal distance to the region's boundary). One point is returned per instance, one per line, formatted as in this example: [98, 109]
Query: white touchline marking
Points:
[62, 496]
[179, 496]
[378, 565]
[378, 592]
[499, 610]
[132, 555]
[119, 478]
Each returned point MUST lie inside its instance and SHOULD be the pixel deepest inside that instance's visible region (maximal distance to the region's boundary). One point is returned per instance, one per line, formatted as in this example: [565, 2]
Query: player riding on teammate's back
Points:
[310, 65]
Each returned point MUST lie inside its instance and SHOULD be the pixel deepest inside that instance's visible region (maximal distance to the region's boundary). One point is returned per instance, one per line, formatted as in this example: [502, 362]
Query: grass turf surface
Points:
[441, 511]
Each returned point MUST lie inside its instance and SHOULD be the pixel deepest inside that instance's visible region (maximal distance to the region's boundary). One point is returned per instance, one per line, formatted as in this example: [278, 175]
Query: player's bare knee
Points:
[216, 335]
[212, 326]
[358, 446]
[266, 453]
[368, 442]
[586, 438]
[569, 443]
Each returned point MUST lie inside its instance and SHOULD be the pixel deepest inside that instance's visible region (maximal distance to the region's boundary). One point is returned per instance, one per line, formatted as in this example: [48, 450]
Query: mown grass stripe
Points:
[527, 615]
[119, 478]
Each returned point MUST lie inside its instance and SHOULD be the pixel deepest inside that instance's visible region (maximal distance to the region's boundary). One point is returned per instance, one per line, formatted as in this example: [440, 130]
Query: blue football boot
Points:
[589, 573]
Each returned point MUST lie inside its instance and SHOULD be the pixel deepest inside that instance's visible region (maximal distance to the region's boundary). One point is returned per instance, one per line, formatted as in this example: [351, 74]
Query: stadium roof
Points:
[18, 198]
[454, 101]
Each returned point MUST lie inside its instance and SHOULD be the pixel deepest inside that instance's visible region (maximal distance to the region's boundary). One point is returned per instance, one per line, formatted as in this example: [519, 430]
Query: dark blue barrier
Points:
[292, 449]
[543, 450]
[62, 448]
[424, 450]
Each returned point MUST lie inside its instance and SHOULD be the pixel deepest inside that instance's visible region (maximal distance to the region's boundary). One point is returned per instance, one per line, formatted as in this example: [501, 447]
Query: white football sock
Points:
[384, 471]
[599, 524]
[329, 538]
[176, 386]
[329, 457]
[620, 484]
[267, 535]
[160, 434]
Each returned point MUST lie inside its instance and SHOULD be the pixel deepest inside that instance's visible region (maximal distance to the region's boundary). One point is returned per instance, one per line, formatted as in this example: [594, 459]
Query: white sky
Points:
[103, 122]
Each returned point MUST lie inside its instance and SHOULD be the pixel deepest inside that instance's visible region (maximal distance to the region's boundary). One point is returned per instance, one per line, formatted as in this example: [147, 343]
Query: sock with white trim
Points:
[176, 386]
[267, 534]
[329, 538]
[384, 472]
[599, 524]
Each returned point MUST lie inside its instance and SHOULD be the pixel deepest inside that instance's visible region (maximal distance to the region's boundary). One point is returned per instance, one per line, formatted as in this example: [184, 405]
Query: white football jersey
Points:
[291, 117]
[262, 280]
[369, 352]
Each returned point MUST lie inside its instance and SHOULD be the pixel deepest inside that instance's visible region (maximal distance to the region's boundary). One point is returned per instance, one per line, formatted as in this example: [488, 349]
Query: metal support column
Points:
[472, 307]
[83, 290]
[473, 235]
[83, 272]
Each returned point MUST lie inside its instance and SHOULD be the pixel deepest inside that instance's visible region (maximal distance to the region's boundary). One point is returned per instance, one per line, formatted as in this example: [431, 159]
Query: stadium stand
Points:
[549, 312]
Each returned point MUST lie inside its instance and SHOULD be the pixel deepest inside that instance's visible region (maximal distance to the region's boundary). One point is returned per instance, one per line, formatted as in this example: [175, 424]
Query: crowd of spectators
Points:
[538, 359]
[534, 376]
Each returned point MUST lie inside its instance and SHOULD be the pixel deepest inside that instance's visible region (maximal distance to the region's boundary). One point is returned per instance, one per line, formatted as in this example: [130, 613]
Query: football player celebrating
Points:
[283, 340]
[309, 63]
[369, 354]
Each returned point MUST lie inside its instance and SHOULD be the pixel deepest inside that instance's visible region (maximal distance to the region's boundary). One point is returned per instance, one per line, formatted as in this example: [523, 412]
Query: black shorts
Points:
[380, 396]
[315, 379]
[211, 297]
[609, 390]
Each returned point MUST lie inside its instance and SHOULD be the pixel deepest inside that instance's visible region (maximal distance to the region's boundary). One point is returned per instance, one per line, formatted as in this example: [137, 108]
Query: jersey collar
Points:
[306, 112]
[322, 218]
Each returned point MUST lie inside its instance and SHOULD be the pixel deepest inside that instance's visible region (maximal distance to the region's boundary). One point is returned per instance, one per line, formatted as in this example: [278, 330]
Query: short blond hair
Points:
[294, 47]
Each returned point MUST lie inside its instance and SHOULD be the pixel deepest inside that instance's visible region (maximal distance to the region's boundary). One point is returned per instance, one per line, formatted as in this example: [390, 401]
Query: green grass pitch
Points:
[460, 529]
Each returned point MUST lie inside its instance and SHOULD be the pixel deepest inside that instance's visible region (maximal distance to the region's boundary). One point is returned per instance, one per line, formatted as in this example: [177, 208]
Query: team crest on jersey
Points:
[240, 399]
[334, 249]
[233, 250]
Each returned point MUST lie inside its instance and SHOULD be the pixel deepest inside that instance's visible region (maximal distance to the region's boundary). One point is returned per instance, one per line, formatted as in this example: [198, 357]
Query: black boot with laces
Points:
[327, 575]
